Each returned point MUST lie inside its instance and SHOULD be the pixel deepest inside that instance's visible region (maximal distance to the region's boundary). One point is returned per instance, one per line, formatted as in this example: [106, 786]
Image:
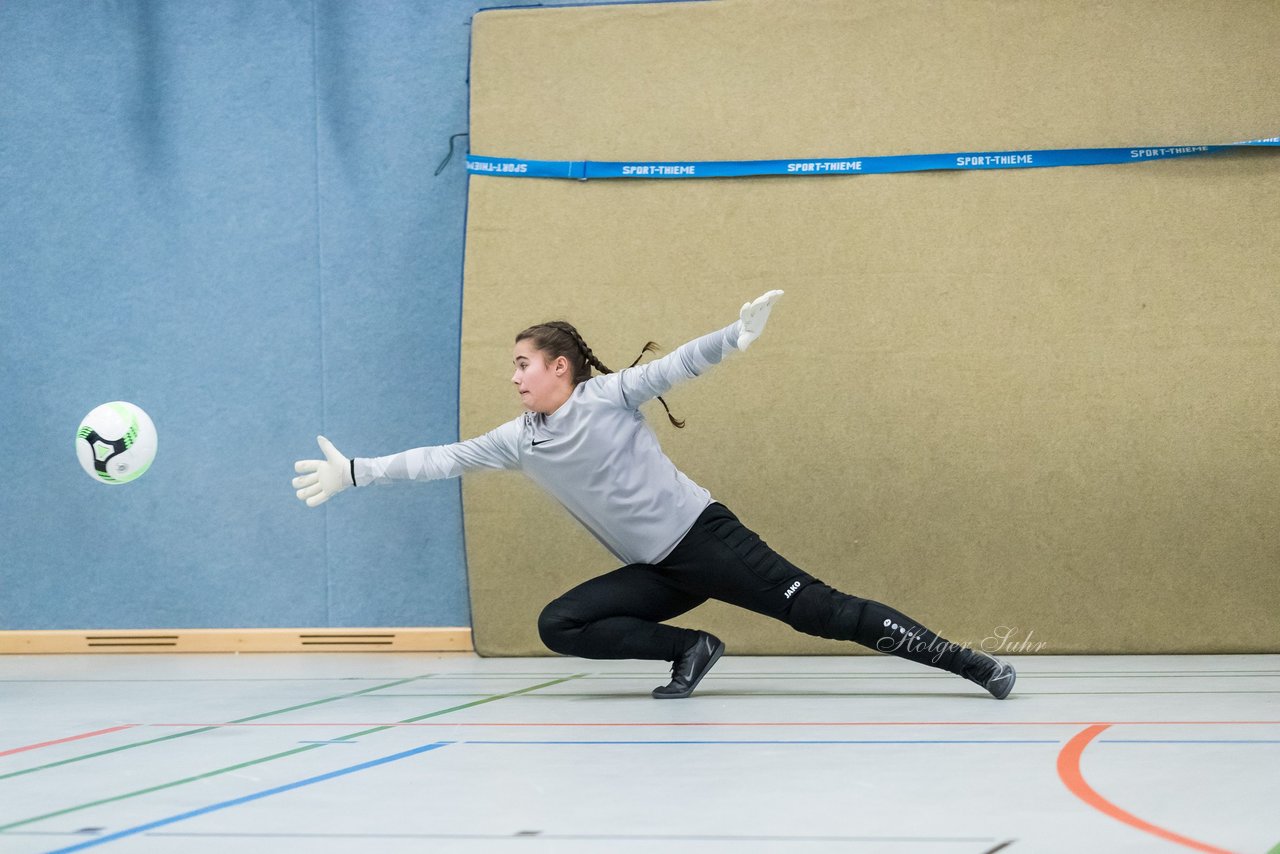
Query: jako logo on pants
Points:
[792, 589]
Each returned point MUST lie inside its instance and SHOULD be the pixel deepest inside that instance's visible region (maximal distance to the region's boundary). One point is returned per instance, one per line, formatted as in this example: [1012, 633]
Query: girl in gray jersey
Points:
[583, 439]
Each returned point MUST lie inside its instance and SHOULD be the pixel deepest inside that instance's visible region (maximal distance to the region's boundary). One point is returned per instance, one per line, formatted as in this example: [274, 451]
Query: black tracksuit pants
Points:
[620, 614]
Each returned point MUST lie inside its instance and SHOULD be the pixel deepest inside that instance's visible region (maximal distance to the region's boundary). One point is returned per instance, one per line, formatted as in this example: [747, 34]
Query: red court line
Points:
[65, 740]
[726, 723]
[1069, 772]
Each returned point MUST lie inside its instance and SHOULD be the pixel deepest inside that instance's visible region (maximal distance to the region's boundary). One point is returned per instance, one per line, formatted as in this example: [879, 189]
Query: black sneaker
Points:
[687, 671]
[991, 673]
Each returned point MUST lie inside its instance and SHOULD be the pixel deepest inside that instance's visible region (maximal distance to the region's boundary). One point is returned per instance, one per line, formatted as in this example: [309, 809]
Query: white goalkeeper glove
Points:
[323, 479]
[754, 316]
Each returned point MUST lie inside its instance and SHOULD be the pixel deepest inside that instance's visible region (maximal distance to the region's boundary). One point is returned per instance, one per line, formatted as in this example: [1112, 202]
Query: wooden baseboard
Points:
[451, 639]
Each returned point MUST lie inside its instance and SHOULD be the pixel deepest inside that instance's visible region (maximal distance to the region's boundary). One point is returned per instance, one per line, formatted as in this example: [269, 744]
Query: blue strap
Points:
[582, 170]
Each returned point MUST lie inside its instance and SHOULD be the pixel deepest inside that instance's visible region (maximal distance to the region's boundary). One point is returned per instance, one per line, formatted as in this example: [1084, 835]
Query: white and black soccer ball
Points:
[116, 442]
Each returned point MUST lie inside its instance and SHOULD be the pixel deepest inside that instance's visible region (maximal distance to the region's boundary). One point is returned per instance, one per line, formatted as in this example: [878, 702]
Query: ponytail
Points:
[557, 338]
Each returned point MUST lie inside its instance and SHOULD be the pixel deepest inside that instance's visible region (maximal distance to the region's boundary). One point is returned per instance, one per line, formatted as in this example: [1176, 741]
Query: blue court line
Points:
[142, 828]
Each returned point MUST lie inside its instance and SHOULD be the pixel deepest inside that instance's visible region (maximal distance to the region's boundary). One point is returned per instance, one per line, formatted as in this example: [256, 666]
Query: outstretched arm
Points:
[496, 449]
[645, 382]
[323, 479]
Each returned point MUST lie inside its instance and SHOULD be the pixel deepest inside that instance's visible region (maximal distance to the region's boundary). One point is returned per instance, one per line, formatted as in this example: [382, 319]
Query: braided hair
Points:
[557, 338]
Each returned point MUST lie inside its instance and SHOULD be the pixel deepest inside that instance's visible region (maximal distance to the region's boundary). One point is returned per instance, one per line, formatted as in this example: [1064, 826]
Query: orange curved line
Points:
[1069, 772]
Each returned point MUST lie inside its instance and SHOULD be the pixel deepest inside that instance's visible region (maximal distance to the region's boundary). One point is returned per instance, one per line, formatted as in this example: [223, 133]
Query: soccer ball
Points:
[116, 443]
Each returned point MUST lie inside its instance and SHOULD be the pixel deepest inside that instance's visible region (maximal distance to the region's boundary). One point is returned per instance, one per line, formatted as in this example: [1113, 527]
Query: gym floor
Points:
[451, 752]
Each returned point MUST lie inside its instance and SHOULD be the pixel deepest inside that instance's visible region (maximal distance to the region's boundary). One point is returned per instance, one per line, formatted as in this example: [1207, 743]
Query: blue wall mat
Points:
[225, 212]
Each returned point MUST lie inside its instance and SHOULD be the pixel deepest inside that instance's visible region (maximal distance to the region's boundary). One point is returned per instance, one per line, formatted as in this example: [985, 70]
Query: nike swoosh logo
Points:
[543, 442]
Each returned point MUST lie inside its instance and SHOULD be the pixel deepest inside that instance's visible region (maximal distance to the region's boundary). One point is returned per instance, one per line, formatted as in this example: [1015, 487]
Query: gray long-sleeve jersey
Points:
[596, 454]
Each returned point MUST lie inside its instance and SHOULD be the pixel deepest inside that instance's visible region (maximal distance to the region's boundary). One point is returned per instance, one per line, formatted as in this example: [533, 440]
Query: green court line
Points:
[20, 822]
[463, 706]
[296, 750]
[208, 728]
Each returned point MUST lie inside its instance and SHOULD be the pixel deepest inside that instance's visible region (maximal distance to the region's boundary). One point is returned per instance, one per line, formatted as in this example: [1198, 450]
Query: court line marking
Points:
[206, 728]
[628, 674]
[929, 675]
[274, 756]
[875, 741]
[1189, 741]
[309, 781]
[1073, 779]
[209, 679]
[1091, 732]
[791, 741]
[1066, 761]
[566, 836]
[14, 750]
[896, 674]
[724, 691]
[733, 723]
[721, 671]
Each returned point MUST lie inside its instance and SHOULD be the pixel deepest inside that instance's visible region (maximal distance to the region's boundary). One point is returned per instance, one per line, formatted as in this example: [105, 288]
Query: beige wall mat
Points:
[1036, 407]
[238, 640]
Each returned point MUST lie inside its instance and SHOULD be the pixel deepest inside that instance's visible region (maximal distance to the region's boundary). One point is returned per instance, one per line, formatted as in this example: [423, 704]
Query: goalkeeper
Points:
[583, 439]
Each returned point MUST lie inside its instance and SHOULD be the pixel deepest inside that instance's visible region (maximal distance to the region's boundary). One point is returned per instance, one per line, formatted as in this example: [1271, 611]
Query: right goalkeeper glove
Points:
[323, 479]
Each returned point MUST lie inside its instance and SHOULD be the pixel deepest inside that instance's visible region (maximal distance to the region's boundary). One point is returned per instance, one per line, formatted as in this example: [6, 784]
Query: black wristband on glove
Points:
[353, 470]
